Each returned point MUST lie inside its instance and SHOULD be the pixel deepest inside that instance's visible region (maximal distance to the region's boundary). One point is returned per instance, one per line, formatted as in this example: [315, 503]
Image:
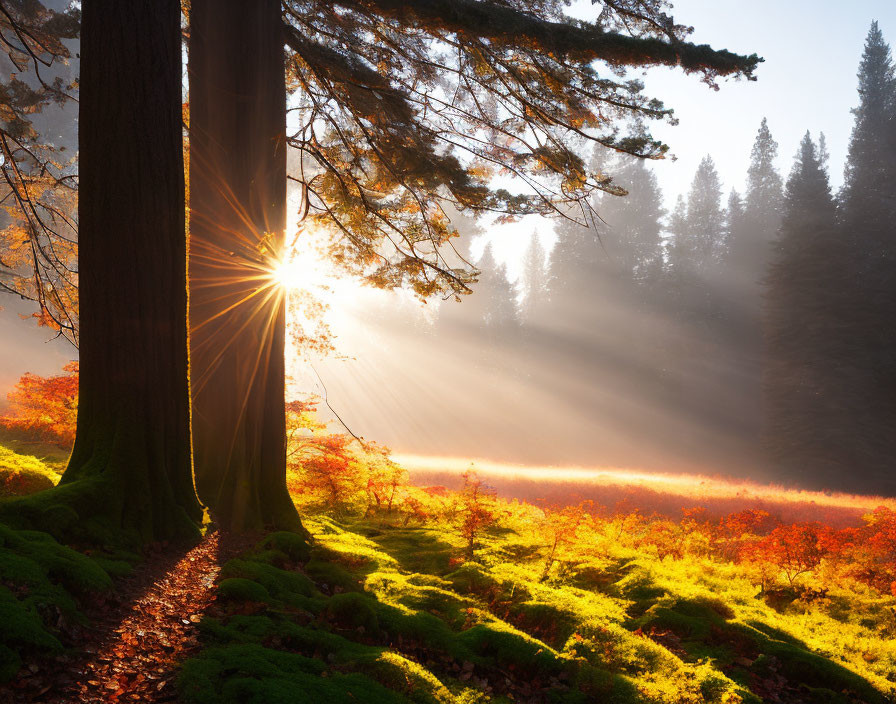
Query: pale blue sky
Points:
[812, 50]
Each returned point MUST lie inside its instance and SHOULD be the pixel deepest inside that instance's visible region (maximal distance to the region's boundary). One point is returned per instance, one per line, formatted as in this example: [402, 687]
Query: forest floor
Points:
[138, 635]
[389, 606]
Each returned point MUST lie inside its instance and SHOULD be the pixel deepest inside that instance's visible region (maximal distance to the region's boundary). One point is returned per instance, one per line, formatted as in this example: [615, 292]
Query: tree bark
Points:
[131, 464]
[237, 221]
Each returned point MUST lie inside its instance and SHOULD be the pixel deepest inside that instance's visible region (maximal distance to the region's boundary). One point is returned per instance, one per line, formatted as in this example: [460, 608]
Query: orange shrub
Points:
[45, 408]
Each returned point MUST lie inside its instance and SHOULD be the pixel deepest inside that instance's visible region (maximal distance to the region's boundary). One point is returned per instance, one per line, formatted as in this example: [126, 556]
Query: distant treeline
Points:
[755, 330]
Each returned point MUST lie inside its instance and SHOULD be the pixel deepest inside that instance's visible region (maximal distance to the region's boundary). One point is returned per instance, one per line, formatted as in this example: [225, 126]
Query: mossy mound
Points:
[42, 583]
[21, 475]
[293, 545]
[252, 674]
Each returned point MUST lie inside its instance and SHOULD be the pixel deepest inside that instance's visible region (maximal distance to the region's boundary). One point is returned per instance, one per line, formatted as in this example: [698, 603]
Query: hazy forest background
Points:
[740, 331]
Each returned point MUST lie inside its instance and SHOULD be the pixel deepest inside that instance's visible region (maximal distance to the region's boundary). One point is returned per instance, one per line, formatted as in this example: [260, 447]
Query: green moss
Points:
[330, 575]
[280, 583]
[21, 475]
[23, 626]
[801, 666]
[238, 589]
[43, 580]
[547, 622]
[352, 610]
[252, 674]
[473, 578]
[294, 546]
[432, 637]
[504, 645]
[417, 549]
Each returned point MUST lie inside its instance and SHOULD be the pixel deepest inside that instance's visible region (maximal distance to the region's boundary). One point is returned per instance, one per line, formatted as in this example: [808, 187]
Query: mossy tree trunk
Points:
[237, 221]
[131, 465]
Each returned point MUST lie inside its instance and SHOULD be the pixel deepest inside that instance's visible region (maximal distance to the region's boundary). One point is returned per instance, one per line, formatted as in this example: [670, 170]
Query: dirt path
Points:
[136, 641]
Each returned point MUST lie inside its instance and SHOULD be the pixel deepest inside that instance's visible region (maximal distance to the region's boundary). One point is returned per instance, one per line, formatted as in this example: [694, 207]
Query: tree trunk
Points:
[131, 466]
[237, 220]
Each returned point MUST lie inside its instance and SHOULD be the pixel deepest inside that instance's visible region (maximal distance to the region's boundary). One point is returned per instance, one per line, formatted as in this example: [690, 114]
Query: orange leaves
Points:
[45, 408]
[476, 510]
[336, 470]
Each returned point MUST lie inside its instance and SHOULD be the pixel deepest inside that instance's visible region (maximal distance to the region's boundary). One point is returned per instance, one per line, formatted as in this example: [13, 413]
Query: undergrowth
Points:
[381, 612]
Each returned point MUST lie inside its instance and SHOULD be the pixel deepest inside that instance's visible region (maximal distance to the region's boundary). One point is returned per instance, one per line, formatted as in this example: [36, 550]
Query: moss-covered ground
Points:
[374, 612]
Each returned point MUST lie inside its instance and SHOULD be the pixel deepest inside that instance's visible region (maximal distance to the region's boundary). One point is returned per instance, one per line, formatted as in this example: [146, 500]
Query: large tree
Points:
[237, 223]
[130, 468]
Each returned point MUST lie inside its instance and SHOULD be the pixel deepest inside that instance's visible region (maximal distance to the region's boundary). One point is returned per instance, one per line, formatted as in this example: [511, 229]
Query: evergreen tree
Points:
[734, 217]
[534, 278]
[752, 227]
[869, 164]
[867, 393]
[237, 221]
[808, 431]
[701, 245]
[633, 231]
[498, 305]
[697, 248]
[762, 211]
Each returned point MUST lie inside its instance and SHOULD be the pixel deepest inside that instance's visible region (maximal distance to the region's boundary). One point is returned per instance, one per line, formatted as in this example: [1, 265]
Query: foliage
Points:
[45, 408]
[407, 112]
[630, 619]
[43, 585]
[37, 243]
[474, 511]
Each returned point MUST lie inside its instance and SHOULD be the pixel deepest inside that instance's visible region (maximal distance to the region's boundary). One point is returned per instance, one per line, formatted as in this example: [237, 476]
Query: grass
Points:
[373, 613]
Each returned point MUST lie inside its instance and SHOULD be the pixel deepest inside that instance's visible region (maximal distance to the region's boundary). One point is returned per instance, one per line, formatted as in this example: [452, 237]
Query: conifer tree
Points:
[633, 224]
[867, 275]
[807, 431]
[698, 246]
[734, 217]
[762, 211]
[498, 305]
[237, 221]
[534, 278]
[702, 245]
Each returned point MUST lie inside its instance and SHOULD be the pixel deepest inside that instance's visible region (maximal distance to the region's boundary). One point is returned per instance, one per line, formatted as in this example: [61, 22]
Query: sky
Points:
[811, 49]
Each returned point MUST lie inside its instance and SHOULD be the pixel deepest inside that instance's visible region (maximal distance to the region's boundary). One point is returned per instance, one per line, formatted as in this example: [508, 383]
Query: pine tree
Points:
[867, 394]
[751, 227]
[808, 431]
[734, 217]
[534, 278]
[697, 248]
[762, 210]
[633, 224]
[498, 305]
[237, 221]
[702, 245]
